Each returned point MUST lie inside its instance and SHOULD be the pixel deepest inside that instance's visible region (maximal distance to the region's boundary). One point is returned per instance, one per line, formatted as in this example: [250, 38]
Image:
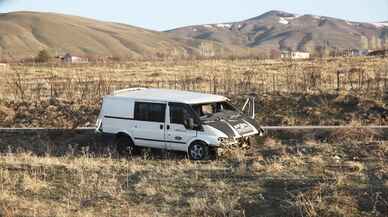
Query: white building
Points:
[355, 53]
[295, 55]
[68, 58]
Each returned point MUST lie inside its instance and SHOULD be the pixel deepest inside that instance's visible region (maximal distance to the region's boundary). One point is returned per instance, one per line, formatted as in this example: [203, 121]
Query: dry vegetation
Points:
[362, 76]
[279, 179]
[345, 174]
[323, 91]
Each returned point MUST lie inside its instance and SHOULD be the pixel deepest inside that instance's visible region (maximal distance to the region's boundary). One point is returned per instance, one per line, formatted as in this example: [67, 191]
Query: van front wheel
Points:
[125, 146]
[198, 151]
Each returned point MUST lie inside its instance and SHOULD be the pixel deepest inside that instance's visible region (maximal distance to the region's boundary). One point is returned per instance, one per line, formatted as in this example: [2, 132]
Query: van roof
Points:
[166, 95]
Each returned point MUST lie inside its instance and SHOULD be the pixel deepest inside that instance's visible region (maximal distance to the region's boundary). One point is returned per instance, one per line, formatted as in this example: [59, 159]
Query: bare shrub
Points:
[17, 85]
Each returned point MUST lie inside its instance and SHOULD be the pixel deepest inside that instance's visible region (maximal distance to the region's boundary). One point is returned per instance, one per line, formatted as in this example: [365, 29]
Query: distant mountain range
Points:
[282, 30]
[23, 34]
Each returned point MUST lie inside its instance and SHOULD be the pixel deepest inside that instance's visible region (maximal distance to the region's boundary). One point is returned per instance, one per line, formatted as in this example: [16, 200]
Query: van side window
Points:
[179, 113]
[152, 112]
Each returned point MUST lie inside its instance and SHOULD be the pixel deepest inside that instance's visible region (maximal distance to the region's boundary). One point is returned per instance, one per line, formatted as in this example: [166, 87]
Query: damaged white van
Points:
[192, 122]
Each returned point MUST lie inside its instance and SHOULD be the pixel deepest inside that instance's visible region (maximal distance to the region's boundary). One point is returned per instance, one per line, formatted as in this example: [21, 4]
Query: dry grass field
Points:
[276, 179]
[344, 174]
[366, 76]
[336, 91]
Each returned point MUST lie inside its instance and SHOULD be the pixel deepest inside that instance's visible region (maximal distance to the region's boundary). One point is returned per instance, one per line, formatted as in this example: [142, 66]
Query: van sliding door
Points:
[149, 124]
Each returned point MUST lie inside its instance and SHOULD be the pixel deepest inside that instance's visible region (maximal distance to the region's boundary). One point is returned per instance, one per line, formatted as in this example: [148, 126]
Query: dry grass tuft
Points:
[32, 184]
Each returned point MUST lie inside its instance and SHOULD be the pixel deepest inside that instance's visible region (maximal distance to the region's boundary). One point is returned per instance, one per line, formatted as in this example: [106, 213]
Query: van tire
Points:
[125, 146]
[198, 150]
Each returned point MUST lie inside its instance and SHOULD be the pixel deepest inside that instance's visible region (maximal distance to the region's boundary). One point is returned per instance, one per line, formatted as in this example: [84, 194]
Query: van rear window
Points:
[152, 112]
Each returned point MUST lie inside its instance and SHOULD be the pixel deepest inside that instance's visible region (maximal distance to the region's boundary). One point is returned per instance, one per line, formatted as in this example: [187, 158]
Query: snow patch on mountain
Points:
[286, 20]
[283, 21]
[223, 25]
[219, 25]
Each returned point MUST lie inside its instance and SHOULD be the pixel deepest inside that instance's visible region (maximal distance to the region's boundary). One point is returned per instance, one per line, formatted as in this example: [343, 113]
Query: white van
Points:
[174, 120]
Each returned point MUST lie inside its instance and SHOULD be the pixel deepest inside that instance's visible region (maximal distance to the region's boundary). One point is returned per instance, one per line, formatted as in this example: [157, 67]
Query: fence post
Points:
[338, 80]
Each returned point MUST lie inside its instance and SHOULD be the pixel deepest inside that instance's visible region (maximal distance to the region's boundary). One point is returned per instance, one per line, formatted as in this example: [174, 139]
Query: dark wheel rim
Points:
[197, 152]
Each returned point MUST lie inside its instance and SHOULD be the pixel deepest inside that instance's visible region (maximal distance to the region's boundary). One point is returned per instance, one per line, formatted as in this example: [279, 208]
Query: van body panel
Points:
[235, 128]
[178, 137]
[209, 130]
[210, 139]
[149, 134]
[135, 113]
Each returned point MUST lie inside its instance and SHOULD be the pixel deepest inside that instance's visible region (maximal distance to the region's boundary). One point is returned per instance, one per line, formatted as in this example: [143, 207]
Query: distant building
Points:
[69, 58]
[355, 53]
[295, 55]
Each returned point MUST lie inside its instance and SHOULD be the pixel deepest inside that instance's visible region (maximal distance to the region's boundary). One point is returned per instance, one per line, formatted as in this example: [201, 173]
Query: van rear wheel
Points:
[125, 146]
[198, 151]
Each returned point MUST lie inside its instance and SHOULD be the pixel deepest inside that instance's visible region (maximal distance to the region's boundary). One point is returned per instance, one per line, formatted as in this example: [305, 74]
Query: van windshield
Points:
[209, 109]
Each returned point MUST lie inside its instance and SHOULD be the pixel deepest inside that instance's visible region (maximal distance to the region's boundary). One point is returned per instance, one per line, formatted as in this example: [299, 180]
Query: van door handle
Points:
[168, 127]
[161, 126]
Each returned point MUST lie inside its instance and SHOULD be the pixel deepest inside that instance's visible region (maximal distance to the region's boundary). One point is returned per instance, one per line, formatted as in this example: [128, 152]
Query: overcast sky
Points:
[168, 14]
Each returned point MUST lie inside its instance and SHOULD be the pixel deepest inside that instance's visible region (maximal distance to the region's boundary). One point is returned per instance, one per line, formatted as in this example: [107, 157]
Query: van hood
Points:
[234, 125]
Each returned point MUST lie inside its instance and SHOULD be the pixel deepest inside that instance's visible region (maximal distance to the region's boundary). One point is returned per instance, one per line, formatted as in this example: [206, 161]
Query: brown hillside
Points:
[23, 34]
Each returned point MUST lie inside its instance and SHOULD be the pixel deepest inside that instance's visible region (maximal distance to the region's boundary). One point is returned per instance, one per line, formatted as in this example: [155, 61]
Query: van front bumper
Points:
[234, 142]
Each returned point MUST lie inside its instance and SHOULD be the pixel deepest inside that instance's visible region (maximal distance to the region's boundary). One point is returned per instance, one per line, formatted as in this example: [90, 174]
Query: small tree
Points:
[43, 56]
